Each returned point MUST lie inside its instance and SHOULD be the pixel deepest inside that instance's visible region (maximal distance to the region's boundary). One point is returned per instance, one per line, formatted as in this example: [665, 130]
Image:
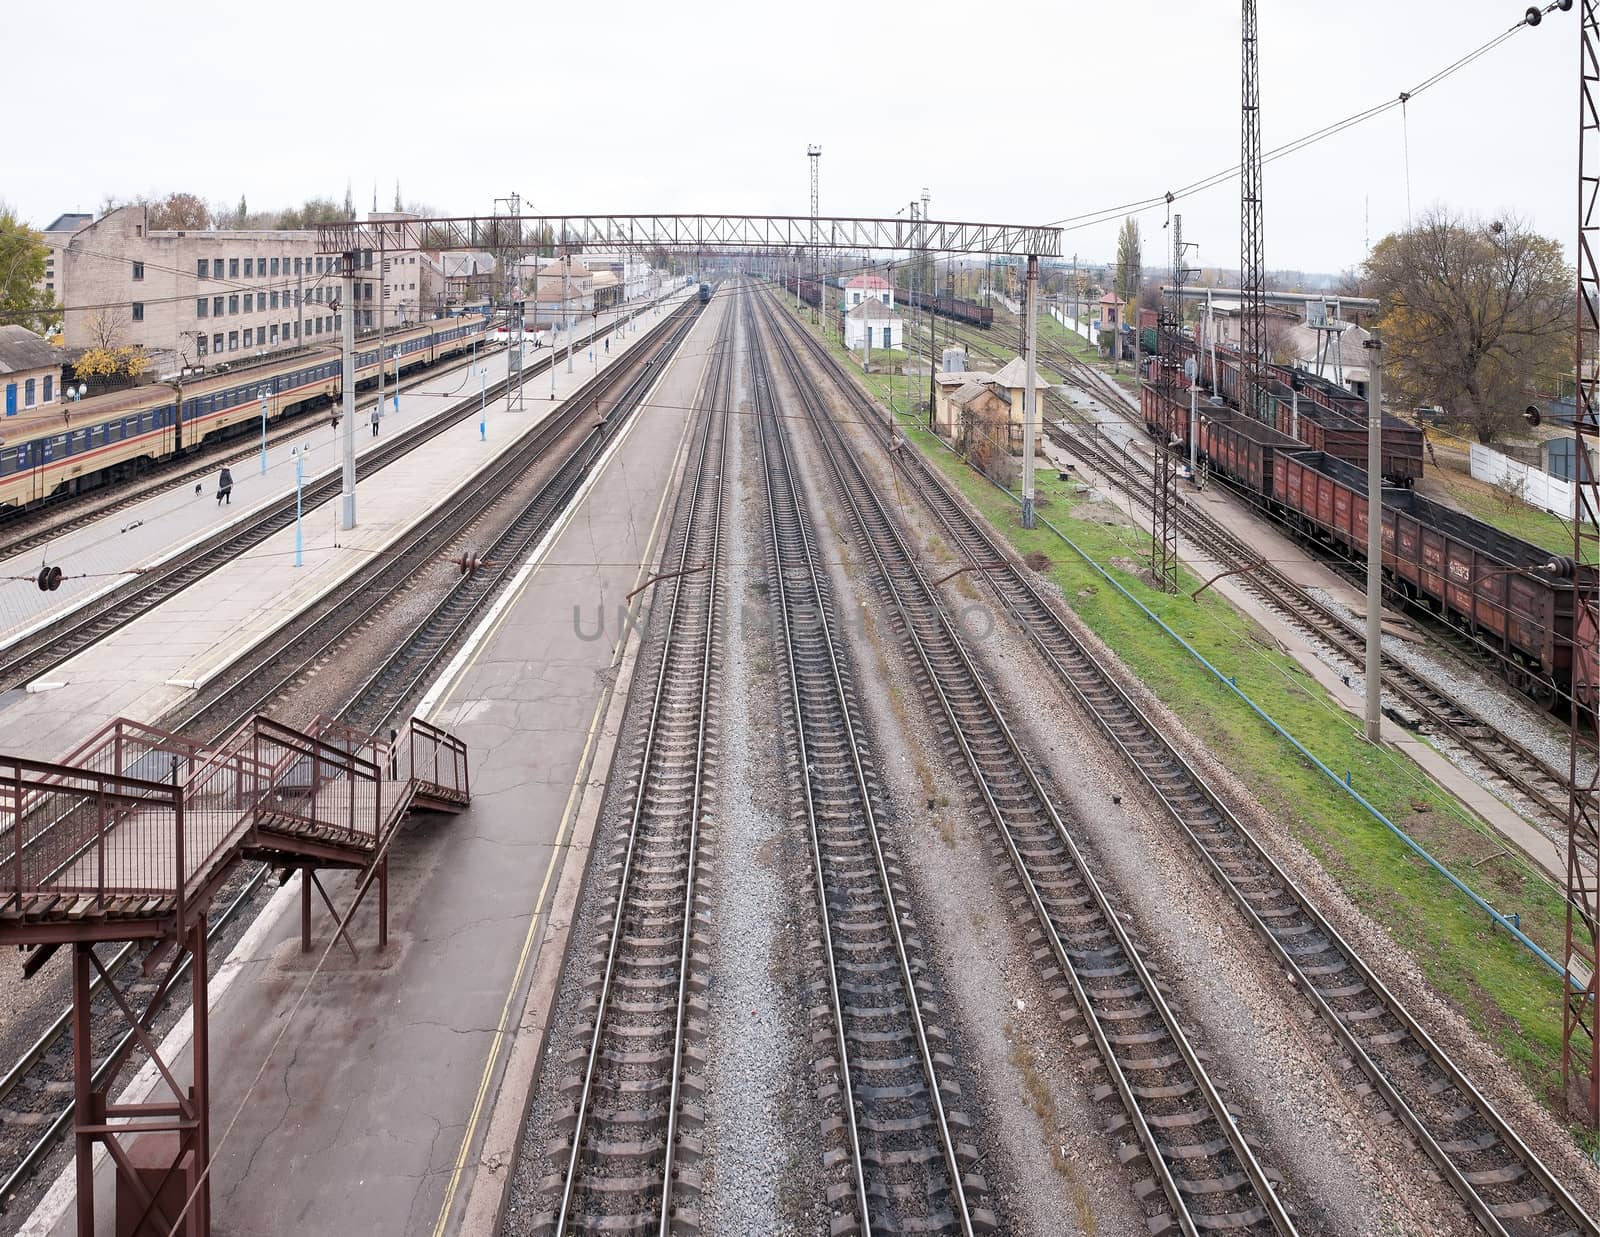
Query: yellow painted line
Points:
[568, 816]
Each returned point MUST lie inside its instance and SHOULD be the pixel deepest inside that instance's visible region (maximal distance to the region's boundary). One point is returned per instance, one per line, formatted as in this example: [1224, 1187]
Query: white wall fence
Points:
[1073, 324]
[1536, 487]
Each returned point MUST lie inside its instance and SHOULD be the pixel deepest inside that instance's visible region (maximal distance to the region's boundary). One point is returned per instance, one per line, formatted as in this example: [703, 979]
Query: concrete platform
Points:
[356, 1099]
[158, 661]
[100, 556]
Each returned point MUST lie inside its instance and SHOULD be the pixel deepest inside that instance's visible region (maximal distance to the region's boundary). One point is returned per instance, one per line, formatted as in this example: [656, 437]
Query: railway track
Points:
[1164, 1103]
[1541, 787]
[899, 1167]
[27, 530]
[1498, 1178]
[1513, 762]
[625, 1170]
[28, 1090]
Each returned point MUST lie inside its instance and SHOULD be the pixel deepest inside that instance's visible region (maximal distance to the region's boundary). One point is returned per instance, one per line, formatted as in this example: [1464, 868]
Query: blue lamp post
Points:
[263, 394]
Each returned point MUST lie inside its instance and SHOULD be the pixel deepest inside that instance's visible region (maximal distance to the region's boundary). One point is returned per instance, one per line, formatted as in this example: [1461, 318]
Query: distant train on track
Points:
[948, 307]
[1512, 596]
[73, 447]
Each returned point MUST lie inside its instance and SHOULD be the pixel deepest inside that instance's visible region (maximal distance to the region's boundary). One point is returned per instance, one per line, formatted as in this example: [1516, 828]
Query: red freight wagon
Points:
[1513, 595]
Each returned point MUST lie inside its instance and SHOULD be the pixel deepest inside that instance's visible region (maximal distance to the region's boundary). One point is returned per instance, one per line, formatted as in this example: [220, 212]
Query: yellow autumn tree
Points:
[127, 362]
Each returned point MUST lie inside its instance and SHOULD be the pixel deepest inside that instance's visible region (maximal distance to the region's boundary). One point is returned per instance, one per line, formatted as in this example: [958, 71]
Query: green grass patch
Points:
[1513, 1000]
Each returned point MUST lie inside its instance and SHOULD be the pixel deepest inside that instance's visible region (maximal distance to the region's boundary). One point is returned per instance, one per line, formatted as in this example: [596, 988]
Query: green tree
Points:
[1130, 261]
[1476, 317]
[23, 300]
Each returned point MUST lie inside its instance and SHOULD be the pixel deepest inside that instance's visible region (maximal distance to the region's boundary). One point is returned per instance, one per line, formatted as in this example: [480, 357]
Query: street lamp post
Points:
[299, 482]
[483, 408]
[263, 394]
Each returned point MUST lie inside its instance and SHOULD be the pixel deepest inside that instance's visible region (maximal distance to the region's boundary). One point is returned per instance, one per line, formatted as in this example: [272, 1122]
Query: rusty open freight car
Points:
[1514, 596]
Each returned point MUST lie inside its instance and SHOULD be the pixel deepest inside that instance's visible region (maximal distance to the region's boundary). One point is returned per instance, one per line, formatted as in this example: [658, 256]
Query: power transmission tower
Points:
[1580, 1043]
[1164, 499]
[814, 153]
[1252, 310]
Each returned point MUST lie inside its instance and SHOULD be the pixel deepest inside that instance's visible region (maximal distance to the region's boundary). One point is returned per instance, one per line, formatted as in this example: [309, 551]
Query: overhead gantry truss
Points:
[694, 233]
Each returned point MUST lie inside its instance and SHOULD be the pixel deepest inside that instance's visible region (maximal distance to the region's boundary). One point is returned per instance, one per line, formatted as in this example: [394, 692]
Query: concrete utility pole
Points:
[347, 517]
[1374, 348]
[1030, 392]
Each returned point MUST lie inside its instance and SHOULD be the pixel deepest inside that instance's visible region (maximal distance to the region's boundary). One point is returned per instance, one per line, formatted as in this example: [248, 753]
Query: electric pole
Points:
[1374, 348]
[348, 297]
[1252, 262]
[1030, 393]
[814, 154]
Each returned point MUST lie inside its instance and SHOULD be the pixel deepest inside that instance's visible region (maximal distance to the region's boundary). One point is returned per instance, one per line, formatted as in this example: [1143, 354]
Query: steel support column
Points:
[1030, 391]
[1252, 250]
[1580, 1045]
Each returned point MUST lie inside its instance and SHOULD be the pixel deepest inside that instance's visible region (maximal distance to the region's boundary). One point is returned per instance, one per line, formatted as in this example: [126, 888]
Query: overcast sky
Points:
[1006, 112]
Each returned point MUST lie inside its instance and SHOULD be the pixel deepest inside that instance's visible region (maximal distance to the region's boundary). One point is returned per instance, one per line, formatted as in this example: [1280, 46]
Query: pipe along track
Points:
[1206, 1175]
[1500, 1180]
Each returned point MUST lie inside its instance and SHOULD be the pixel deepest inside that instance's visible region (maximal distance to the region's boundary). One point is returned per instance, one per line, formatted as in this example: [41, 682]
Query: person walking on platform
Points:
[225, 487]
[375, 415]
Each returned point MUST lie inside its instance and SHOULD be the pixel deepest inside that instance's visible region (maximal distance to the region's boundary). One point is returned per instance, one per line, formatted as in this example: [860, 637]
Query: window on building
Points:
[202, 268]
[138, 270]
[275, 266]
[233, 341]
[274, 296]
[233, 268]
[30, 395]
[216, 307]
[297, 330]
[367, 291]
[319, 266]
[286, 330]
[138, 311]
[367, 259]
[49, 387]
[249, 302]
[233, 303]
[200, 308]
[199, 345]
[249, 268]
[216, 342]
[274, 330]
[249, 337]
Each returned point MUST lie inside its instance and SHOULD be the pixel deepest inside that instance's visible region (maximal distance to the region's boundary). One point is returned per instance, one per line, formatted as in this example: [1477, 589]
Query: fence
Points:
[1534, 486]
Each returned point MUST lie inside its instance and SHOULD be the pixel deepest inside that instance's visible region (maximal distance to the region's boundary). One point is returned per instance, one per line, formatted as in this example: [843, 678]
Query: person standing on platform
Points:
[225, 487]
[376, 413]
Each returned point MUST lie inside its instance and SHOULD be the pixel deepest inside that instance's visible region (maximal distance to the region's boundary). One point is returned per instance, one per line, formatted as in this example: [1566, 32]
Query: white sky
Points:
[638, 106]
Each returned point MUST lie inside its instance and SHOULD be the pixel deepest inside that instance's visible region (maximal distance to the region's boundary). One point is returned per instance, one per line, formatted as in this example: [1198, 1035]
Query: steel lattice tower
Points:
[1252, 316]
[1164, 499]
[1580, 1045]
[814, 153]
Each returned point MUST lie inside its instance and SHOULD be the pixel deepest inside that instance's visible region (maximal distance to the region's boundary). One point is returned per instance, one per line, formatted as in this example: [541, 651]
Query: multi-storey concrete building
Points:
[199, 297]
[58, 235]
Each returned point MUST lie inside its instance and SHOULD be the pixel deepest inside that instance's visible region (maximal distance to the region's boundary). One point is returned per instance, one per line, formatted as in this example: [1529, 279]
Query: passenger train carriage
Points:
[72, 447]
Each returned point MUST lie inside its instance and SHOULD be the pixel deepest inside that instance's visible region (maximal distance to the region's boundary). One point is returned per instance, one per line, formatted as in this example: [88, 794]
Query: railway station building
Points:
[30, 370]
[868, 288]
[873, 322]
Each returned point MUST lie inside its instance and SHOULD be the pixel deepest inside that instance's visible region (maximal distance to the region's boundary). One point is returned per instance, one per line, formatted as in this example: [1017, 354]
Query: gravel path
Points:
[762, 1132]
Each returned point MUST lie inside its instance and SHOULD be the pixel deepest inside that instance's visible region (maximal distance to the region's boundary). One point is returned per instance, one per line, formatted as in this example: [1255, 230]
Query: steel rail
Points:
[32, 529]
[421, 650]
[882, 538]
[1501, 754]
[709, 486]
[371, 598]
[778, 467]
[1234, 856]
[47, 648]
[46, 1142]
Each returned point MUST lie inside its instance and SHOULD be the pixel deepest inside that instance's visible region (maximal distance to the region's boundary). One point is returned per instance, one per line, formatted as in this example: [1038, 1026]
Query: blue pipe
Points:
[1513, 928]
